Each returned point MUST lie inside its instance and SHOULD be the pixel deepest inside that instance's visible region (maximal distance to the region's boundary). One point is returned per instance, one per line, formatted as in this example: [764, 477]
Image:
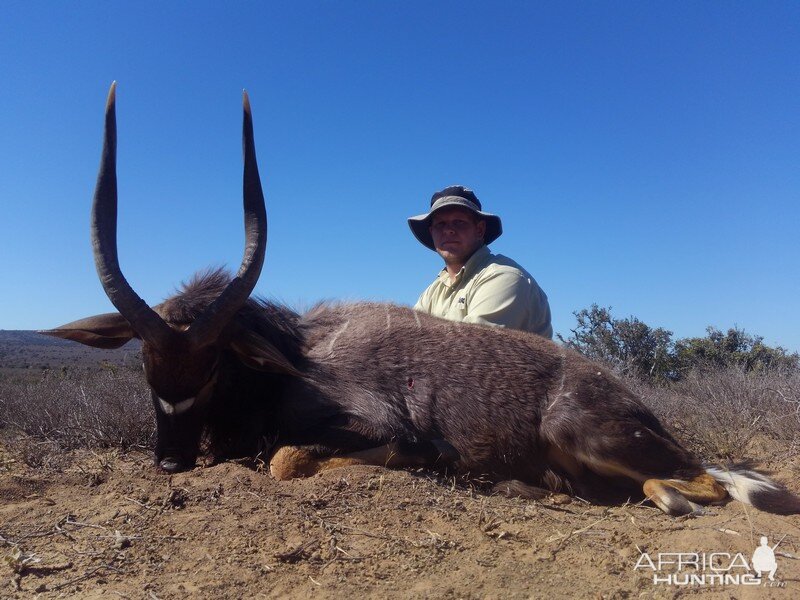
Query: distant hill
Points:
[20, 350]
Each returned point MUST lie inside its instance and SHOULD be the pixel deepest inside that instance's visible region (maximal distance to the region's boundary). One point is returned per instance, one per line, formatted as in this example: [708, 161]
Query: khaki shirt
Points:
[490, 289]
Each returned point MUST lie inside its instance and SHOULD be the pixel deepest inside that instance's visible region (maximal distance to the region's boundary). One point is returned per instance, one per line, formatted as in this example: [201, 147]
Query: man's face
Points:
[457, 233]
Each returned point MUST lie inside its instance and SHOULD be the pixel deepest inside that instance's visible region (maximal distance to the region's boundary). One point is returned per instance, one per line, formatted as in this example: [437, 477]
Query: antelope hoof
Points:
[171, 464]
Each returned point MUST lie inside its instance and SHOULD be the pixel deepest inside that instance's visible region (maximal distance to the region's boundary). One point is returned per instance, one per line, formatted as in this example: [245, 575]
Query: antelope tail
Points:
[753, 488]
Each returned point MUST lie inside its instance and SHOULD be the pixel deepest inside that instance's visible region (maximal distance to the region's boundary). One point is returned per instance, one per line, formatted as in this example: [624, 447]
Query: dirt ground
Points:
[108, 525]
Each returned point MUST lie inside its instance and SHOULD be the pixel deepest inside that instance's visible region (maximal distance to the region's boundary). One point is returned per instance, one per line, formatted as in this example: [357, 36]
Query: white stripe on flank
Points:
[336, 336]
[416, 318]
[563, 379]
[557, 398]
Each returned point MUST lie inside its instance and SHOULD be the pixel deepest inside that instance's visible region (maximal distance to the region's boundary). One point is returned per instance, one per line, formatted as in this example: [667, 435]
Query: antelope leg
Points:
[677, 496]
[289, 462]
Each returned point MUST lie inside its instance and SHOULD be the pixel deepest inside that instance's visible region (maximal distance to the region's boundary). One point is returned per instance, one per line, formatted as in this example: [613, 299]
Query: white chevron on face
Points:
[176, 409]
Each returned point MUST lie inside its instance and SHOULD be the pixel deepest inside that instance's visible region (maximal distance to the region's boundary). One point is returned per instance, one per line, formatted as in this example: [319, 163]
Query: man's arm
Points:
[424, 302]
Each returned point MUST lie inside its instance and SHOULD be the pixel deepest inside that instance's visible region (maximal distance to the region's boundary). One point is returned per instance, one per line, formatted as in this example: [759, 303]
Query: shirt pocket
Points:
[460, 306]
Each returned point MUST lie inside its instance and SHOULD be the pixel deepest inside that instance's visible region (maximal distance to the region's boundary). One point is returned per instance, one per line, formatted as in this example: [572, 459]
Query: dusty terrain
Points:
[25, 354]
[106, 524]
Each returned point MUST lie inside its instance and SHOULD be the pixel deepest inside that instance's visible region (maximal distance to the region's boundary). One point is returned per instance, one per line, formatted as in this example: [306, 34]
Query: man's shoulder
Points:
[496, 264]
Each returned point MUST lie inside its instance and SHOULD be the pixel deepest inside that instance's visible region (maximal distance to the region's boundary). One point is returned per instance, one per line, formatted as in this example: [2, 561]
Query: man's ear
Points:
[110, 330]
[481, 227]
[257, 353]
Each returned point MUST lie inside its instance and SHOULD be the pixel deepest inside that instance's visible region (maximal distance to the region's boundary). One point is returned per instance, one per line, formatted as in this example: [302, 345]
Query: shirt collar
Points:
[473, 264]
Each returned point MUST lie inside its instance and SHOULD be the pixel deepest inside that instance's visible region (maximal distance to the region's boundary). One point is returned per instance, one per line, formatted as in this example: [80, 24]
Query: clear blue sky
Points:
[642, 155]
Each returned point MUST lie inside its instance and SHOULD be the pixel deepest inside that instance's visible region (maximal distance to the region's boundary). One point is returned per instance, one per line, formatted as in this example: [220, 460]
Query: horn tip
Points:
[246, 101]
[112, 95]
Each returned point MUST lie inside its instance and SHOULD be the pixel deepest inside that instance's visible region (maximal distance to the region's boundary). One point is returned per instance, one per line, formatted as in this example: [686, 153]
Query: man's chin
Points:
[450, 256]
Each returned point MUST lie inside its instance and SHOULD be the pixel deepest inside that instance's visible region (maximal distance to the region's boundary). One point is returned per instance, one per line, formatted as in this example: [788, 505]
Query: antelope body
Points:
[371, 383]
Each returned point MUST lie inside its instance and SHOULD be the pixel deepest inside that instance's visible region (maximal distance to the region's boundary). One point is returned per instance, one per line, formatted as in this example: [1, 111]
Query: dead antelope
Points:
[379, 384]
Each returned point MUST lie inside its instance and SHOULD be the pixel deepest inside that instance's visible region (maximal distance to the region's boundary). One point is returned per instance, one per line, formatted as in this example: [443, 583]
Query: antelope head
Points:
[180, 359]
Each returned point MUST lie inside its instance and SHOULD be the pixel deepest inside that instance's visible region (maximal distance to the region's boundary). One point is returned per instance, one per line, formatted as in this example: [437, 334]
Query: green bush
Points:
[735, 348]
[633, 348]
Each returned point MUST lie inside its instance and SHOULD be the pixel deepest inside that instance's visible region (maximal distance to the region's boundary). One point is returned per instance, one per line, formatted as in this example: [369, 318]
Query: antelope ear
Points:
[259, 354]
[110, 330]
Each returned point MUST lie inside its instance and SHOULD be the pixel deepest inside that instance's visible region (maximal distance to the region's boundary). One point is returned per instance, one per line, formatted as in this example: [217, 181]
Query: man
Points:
[475, 285]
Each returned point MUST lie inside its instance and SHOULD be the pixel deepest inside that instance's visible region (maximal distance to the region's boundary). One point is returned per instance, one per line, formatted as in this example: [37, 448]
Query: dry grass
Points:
[108, 408]
[719, 413]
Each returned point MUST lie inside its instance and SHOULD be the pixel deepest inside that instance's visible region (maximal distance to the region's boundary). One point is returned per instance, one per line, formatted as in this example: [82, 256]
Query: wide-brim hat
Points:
[454, 195]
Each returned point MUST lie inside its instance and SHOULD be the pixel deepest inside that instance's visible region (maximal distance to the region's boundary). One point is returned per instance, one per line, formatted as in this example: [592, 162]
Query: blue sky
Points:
[642, 155]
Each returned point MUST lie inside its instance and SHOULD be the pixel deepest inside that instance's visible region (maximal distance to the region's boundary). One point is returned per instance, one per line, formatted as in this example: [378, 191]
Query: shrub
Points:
[632, 347]
[83, 409]
[629, 346]
[733, 348]
[723, 413]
